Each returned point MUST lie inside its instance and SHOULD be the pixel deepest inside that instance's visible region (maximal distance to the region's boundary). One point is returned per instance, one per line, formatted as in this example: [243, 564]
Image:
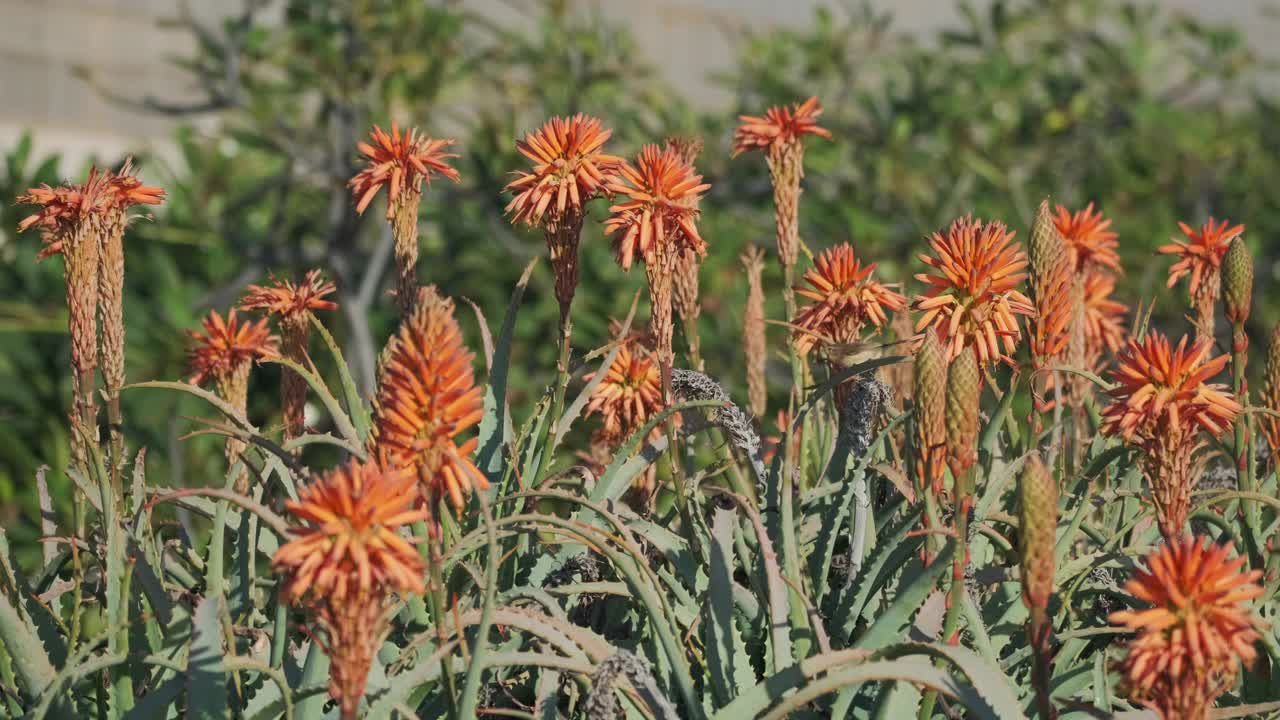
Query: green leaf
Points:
[495, 430]
[30, 662]
[916, 585]
[206, 669]
[356, 409]
[727, 660]
[886, 558]
[340, 419]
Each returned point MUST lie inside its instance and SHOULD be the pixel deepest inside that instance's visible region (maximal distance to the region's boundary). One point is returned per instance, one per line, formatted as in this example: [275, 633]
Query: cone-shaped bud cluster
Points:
[930, 394]
[1038, 520]
[1050, 287]
[1237, 281]
[964, 388]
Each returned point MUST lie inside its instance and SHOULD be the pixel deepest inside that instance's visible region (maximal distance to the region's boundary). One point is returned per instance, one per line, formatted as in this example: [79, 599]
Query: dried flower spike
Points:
[293, 304]
[973, 299]
[685, 278]
[846, 298]
[1190, 644]
[400, 162]
[754, 345]
[1200, 257]
[426, 398]
[347, 558]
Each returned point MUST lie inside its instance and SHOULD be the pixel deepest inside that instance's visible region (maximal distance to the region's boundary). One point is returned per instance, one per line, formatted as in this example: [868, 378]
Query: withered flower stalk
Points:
[685, 295]
[754, 345]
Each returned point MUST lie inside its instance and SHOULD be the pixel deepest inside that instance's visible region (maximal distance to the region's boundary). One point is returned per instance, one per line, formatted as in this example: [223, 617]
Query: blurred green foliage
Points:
[1155, 116]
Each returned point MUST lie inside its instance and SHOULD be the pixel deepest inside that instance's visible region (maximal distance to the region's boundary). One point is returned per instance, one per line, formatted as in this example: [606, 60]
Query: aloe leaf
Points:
[340, 419]
[495, 426]
[206, 666]
[723, 659]
[916, 585]
[30, 662]
[613, 483]
[887, 556]
[356, 409]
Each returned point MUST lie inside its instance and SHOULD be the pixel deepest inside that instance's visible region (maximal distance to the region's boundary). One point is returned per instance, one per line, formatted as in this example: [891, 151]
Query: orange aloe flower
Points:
[656, 209]
[1200, 255]
[845, 298]
[293, 304]
[1163, 390]
[1090, 241]
[347, 557]
[427, 397]
[973, 301]
[229, 346]
[400, 162]
[781, 125]
[661, 191]
[569, 169]
[1191, 642]
[629, 394]
[1104, 330]
[1160, 402]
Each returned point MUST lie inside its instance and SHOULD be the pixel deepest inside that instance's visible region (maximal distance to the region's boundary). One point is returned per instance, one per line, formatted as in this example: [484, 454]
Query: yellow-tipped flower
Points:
[973, 299]
[1198, 631]
[846, 298]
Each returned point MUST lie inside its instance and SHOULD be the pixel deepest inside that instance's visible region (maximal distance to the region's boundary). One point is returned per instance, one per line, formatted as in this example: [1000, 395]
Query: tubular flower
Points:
[1190, 644]
[772, 443]
[659, 208]
[426, 398]
[779, 134]
[400, 162]
[628, 396]
[1200, 257]
[225, 353]
[293, 304]
[973, 301]
[1104, 318]
[569, 169]
[845, 298]
[346, 559]
[1160, 402]
[781, 125]
[1088, 238]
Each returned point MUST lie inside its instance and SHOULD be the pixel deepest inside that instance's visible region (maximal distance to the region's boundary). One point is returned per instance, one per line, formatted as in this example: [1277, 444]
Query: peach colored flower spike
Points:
[569, 168]
[286, 298]
[973, 299]
[629, 394]
[781, 124]
[1191, 642]
[400, 163]
[228, 345]
[660, 191]
[427, 397]
[845, 298]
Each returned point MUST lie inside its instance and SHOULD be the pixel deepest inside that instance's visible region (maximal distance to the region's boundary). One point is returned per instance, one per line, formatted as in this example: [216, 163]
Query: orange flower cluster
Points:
[400, 162]
[1191, 642]
[1160, 402]
[347, 558]
[1200, 255]
[973, 299]
[661, 191]
[228, 347]
[1104, 325]
[288, 299]
[845, 298]
[628, 396]
[1162, 390]
[1090, 242]
[781, 125]
[427, 397]
[569, 169]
